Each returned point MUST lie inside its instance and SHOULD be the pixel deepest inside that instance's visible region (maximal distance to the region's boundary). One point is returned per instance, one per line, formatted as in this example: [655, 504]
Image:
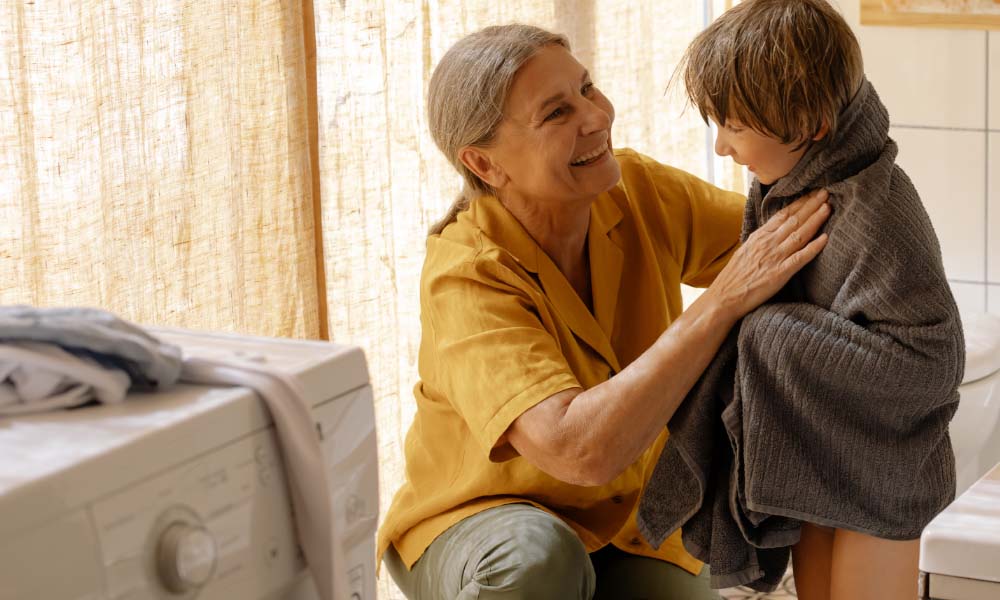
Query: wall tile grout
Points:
[972, 281]
[942, 128]
[986, 176]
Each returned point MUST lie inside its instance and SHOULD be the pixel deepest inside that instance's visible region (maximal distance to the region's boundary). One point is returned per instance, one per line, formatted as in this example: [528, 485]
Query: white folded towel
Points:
[97, 333]
[38, 377]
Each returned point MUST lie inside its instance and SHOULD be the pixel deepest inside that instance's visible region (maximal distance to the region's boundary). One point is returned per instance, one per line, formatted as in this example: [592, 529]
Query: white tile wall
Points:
[851, 10]
[993, 208]
[928, 77]
[948, 169]
[993, 298]
[971, 297]
[942, 88]
[994, 77]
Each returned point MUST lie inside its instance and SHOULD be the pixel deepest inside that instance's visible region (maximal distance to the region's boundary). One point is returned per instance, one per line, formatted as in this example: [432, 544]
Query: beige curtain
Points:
[265, 167]
[154, 161]
[384, 182]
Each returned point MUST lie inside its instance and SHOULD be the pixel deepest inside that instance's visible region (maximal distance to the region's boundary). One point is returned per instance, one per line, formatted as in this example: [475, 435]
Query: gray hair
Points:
[467, 93]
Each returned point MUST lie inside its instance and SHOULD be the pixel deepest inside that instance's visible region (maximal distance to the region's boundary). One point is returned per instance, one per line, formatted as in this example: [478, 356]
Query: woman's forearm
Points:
[617, 420]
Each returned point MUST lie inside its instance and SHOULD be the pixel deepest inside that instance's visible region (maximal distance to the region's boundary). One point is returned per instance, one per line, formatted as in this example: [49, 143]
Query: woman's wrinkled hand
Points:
[772, 255]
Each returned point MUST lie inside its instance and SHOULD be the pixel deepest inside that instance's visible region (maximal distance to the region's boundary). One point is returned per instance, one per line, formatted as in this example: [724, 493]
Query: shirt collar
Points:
[606, 262]
[499, 225]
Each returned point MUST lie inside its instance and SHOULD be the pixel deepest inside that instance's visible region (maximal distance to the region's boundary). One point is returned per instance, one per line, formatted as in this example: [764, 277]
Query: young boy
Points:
[822, 424]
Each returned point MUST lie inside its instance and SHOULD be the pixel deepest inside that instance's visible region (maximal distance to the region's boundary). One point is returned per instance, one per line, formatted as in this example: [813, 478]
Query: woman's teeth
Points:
[590, 156]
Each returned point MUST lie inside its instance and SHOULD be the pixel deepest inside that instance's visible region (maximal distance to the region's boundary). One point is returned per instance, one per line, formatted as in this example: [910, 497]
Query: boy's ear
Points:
[483, 165]
[823, 130]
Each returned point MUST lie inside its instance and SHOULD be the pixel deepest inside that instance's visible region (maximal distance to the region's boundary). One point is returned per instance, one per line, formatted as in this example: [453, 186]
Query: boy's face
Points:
[765, 156]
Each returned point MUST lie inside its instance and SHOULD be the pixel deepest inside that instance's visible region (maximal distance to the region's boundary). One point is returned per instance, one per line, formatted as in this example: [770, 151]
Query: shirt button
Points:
[635, 541]
[617, 499]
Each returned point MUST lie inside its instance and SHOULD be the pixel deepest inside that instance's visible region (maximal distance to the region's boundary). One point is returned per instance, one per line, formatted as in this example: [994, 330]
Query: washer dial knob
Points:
[185, 557]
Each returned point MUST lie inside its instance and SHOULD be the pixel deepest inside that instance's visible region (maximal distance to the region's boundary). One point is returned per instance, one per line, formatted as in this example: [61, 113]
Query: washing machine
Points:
[181, 494]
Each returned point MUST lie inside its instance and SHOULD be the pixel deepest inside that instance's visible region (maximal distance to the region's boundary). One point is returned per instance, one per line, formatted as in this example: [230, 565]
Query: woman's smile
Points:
[593, 157]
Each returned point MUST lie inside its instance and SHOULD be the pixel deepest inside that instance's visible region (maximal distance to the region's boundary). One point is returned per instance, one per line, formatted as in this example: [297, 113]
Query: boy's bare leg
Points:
[870, 568]
[812, 561]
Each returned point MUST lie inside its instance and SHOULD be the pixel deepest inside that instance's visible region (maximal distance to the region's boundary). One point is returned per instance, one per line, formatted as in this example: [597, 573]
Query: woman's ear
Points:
[483, 165]
[825, 129]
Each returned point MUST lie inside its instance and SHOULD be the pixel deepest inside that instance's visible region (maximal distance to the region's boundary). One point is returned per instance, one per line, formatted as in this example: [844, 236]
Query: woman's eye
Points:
[587, 88]
[555, 114]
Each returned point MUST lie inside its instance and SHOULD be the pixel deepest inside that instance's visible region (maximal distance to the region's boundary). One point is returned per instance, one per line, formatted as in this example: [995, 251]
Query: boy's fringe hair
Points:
[781, 67]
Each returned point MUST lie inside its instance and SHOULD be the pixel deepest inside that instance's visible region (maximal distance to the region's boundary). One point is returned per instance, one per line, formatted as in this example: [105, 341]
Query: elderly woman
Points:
[554, 350]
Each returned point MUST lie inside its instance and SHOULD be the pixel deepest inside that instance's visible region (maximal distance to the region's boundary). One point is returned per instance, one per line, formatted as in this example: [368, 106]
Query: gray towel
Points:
[98, 335]
[829, 404]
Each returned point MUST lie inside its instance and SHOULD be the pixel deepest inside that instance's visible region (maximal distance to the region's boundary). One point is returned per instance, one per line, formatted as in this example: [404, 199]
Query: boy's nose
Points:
[722, 147]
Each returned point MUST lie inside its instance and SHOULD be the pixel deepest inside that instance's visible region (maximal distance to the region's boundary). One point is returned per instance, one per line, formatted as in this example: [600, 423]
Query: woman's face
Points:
[554, 143]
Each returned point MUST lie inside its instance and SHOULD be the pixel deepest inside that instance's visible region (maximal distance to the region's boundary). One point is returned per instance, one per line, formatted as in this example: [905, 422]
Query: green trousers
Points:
[516, 551]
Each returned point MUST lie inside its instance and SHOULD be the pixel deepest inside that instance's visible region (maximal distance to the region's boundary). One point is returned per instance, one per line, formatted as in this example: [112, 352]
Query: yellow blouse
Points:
[502, 329]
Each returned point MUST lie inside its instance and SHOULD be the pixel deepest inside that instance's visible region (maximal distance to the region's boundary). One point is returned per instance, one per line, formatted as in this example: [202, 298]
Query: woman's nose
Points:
[596, 118]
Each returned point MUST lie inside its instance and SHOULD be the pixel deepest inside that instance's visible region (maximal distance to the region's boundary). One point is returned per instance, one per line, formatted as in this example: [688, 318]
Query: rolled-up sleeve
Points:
[493, 357]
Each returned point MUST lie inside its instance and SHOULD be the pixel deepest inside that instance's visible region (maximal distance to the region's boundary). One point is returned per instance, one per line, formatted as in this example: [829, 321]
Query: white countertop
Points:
[964, 540]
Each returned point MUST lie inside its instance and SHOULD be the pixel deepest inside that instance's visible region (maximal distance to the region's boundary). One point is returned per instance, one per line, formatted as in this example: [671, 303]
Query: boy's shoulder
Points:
[878, 179]
[883, 195]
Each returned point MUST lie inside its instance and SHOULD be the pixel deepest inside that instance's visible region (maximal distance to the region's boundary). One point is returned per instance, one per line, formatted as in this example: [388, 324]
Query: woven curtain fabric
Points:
[384, 182]
[154, 161]
[160, 159]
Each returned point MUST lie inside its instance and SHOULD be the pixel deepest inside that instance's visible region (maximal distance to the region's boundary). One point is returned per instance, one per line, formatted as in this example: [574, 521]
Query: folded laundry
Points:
[36, 377]
[98, 334]
[54, 358]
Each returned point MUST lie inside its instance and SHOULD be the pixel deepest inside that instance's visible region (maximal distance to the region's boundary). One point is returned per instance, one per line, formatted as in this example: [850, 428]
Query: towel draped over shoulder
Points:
[830, 404]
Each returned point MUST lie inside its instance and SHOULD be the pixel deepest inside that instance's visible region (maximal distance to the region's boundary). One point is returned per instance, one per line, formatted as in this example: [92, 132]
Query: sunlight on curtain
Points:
[155, 158]
[154, 162]
[384, 182]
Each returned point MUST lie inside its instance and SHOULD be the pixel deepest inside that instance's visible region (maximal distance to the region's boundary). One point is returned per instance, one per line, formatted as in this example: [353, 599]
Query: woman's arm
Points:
[590, 437]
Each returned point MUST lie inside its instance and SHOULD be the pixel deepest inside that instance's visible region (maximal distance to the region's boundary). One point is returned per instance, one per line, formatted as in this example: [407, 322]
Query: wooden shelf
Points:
[954, 14]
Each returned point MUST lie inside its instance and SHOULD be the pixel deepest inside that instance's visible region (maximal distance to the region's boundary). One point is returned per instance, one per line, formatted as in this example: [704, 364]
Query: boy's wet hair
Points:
[781, 67]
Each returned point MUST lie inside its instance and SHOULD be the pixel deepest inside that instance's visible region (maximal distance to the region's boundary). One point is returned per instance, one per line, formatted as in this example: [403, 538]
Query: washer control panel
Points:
[217, 527]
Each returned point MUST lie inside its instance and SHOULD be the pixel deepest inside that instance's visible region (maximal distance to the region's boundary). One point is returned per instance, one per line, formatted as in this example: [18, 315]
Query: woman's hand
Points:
[577, 436]
[771, 255]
